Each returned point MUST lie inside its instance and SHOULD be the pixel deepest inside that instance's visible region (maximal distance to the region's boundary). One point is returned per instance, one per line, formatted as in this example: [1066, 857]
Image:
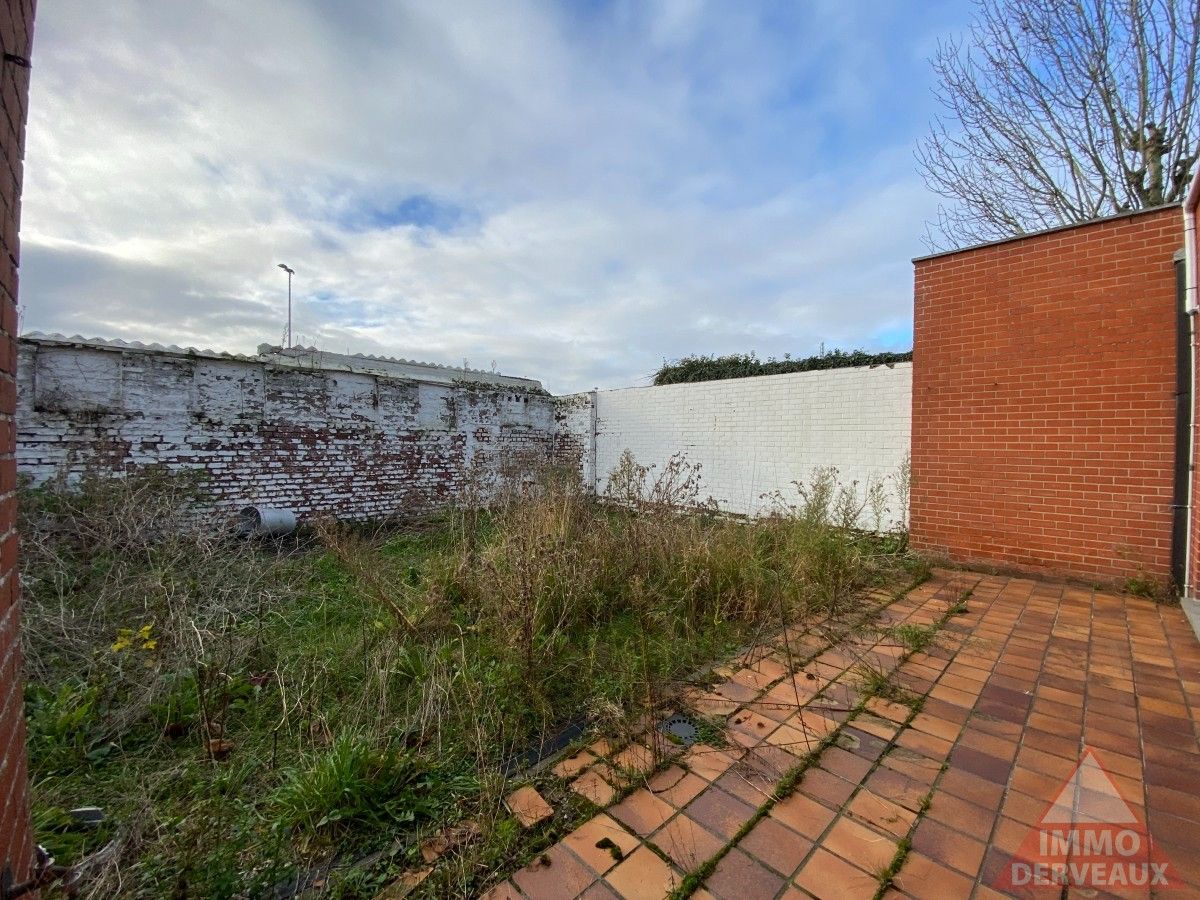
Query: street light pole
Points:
[290, 273]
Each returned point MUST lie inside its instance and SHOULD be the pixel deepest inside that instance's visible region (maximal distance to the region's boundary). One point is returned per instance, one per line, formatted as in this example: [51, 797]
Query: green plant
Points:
[1143, 585]
[888, 874]
[353, 783]
[64, 726]
[914, 638]
[748, 365]
[267, 706]
[875, 681]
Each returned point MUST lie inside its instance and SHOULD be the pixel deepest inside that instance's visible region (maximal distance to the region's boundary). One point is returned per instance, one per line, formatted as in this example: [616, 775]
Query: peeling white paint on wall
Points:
[318, 442]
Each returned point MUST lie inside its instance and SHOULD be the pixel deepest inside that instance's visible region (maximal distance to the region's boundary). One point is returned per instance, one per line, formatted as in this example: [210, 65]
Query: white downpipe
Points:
[1190, 307]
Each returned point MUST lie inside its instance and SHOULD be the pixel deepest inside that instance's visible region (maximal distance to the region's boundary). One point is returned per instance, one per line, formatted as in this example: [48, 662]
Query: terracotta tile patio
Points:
[1013, 690]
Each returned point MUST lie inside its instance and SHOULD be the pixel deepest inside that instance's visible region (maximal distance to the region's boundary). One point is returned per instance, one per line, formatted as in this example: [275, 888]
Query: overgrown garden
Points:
[258, 718]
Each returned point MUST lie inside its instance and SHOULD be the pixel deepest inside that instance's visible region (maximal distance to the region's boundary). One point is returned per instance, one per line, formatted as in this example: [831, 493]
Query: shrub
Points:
[743, 365]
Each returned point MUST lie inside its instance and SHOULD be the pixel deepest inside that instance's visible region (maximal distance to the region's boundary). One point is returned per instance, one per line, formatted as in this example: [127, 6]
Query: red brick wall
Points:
[1044, 400]
[16, 33]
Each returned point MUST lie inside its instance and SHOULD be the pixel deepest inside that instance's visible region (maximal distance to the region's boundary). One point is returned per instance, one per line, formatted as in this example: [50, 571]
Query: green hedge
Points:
[740, 365]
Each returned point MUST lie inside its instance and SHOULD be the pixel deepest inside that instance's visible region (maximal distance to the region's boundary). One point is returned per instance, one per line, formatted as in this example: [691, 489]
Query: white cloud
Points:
[636, 181]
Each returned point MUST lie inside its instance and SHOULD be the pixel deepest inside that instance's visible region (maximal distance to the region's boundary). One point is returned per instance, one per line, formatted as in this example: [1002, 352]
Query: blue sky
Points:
[569, 191]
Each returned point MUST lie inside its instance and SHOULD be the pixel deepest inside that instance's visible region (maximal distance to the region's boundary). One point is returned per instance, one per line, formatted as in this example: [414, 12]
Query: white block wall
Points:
[753, 436]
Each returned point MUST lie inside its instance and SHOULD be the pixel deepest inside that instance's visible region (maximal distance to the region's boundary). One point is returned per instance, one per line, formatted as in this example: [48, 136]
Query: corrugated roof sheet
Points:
[301, 357]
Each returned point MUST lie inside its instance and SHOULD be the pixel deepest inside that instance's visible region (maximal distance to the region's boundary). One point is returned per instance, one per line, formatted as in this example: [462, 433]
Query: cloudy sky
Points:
[571, 191]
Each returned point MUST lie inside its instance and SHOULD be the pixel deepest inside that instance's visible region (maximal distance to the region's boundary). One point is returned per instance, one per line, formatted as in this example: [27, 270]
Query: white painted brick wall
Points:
[753, 436]
[361, 444]
[320, 442]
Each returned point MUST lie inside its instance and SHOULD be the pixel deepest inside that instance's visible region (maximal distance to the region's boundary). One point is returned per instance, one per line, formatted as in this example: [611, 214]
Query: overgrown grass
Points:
[248, 715]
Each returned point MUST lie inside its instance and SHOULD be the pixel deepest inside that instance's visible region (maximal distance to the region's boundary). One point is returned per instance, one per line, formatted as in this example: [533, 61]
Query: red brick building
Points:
[1046, 400]
[16, 845]
[1190, 283]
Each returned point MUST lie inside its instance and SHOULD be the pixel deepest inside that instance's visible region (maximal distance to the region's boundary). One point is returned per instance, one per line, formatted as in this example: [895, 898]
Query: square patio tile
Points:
[949, 846]
[599, 891]
[845, 764]
[803, 814]
[636, 759]
[778, 847]
[740, 877]
[747, 785]
[676, 786]
[921, 876]
[601, 843]
[735, 691]
[686, 842]
[966, 785]
[881, 813]
[503, 891]
[748, 727]
[926, 744]
[720, 813]
[574, 764]
[592, 785]
[960, 814]
[865, 847]
[642, 811]
[898, 788]
[829, 877]
[528, 806]
[826, 787]
[707, 762]
[643, 876]
[554, 875]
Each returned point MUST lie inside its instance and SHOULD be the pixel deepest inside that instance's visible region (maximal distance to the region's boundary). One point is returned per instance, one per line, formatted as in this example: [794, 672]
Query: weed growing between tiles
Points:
[873, 683]
[250, 717]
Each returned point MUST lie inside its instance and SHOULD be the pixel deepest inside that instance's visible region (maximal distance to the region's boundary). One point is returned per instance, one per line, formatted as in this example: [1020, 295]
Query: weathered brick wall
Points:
[1044, 400]
[16, 846]
[576, 435]
[755, 436]
[310, 440]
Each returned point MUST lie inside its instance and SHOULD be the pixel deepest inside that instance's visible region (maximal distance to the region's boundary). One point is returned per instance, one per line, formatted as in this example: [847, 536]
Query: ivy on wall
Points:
[741, 365]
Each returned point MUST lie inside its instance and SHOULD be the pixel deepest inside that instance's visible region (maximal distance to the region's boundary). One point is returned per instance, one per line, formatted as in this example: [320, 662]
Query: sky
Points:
[568, 191]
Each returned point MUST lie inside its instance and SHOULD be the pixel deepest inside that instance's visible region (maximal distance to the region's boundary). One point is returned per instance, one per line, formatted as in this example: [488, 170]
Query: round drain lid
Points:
[680, 729]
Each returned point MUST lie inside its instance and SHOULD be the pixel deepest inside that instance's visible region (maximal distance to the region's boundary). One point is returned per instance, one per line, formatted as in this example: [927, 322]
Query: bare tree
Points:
[1060, 111]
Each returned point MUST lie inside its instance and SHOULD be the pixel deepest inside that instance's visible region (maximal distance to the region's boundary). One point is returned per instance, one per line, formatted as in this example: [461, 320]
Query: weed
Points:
[352, 783]
[247, 711]
[915, 638]
[959, 607]
[1142, 585]
[875, 681]
[889, 872]
[712, 731]
[64, 726]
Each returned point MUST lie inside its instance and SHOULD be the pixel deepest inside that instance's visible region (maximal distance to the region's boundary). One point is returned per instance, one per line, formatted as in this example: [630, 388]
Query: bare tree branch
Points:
[1060, 111]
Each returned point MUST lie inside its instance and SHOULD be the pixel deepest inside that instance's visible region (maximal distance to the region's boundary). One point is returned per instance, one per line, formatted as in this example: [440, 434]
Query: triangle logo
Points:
[1088, 837]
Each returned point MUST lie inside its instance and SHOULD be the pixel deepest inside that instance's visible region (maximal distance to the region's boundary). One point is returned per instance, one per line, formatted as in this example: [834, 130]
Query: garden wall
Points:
[755, 436]
[325, 440]
[1045, 399]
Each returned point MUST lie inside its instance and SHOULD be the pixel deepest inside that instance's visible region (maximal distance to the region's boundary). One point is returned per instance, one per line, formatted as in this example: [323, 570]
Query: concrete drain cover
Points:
[679, 728]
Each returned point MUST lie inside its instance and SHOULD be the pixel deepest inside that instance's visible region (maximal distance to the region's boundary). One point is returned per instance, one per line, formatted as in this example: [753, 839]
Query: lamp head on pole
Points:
[286, 269]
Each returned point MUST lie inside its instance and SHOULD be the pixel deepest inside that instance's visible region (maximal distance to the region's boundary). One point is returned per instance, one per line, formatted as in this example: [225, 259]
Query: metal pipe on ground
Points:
[266, 521]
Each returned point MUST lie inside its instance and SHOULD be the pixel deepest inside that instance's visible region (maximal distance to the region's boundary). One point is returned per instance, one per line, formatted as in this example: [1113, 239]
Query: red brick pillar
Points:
[16, 844]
